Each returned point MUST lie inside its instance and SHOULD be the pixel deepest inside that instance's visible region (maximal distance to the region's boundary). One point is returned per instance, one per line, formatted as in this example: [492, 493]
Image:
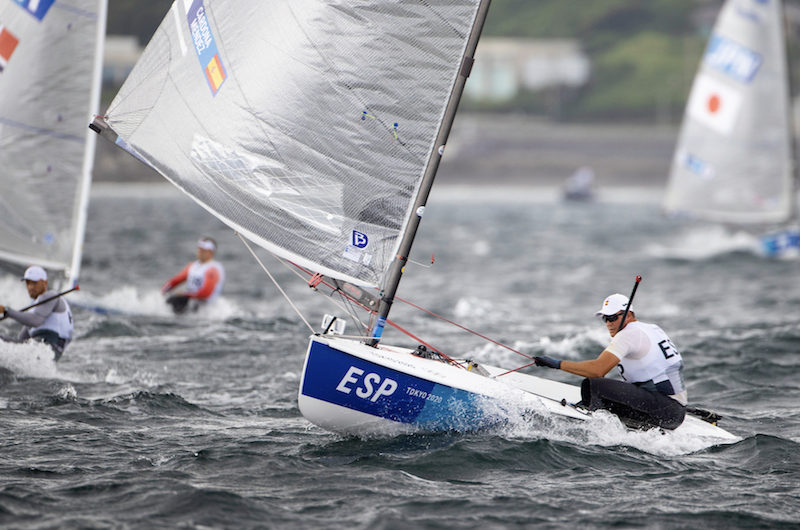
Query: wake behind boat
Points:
[315, 131]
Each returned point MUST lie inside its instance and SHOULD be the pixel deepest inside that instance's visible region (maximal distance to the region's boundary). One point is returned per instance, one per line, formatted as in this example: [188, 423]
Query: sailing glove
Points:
[548, 362]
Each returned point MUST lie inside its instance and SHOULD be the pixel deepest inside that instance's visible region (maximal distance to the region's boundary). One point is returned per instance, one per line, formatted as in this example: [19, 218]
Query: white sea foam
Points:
[702, 243]
[606, 430]
[127, 300]
[13, 292]
[29, 359]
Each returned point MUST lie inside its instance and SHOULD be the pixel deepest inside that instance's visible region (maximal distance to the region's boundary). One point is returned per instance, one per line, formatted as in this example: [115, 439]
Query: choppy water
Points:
[156, 421]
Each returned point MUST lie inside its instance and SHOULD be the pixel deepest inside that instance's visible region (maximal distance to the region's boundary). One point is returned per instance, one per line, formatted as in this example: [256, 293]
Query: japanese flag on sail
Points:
[8, 42]
[714, 104]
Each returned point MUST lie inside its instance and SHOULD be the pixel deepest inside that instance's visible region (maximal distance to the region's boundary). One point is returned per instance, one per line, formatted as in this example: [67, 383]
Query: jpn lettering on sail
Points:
[316, 144]
[50, 66]
[733, 162]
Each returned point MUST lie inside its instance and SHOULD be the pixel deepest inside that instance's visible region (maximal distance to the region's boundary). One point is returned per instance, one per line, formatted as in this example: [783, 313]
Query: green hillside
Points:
[643, 53]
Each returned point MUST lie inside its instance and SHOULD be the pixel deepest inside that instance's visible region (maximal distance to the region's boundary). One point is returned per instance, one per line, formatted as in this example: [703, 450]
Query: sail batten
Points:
[307, 124]
[734, 161]
[49, 90]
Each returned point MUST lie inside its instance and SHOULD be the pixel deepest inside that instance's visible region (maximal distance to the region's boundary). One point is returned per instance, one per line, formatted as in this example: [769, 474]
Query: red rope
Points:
[516, 369]
[317, 279]
[465, 329]
[449, 359]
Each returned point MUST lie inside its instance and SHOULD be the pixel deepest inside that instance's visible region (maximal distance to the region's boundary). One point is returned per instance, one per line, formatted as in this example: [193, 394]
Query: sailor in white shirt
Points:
[50, 322]
[652, 392]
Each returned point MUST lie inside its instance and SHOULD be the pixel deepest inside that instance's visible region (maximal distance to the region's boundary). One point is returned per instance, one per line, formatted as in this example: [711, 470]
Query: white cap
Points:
[613, 305]
[34, 273]
[207, 244]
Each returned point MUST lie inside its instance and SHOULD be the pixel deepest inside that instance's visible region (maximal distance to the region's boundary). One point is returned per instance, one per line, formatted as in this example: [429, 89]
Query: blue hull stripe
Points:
[348, 381]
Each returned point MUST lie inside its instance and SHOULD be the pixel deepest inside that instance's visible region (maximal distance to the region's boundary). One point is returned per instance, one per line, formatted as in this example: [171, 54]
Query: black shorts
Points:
[636, 407]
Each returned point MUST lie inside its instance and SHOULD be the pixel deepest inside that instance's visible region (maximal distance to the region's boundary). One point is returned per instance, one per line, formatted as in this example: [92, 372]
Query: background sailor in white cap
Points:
[652, 393]
[50, 322]
[204, 279]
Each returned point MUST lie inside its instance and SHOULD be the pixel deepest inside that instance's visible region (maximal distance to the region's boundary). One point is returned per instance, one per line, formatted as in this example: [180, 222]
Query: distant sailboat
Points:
[580, 186]
[315, 129]
[51, 58]
[735, 158]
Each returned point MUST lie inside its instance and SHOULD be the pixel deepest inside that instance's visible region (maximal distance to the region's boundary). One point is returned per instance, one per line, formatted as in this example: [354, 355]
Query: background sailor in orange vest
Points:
[203, 279]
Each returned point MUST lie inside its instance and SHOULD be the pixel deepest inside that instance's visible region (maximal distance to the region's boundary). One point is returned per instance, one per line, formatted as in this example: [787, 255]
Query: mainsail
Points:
[734, 161]
[50, 74]
[307, 125]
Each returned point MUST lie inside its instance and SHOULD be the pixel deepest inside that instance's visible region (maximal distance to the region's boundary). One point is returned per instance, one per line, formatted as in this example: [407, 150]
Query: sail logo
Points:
[714, 104]
[698, 166]
[732, 59]
[359, 239]
[37, 8]
[205, 45]
[8, 43]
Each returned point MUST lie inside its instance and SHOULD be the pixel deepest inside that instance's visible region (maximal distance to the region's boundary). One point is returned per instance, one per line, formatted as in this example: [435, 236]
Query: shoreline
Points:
[505, 150]
[445, 192]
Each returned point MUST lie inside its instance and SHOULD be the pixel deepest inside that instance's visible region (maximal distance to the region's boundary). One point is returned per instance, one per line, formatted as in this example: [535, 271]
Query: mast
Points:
[791, 121]
[399, 262]
[74, 270]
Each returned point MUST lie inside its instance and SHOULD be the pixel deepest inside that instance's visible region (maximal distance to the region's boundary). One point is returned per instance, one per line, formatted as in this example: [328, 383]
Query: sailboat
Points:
[734, 162]
[51, 57]
[314, 129]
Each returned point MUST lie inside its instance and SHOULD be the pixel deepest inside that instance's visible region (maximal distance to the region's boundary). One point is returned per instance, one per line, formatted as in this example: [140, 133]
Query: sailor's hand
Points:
[548, 362]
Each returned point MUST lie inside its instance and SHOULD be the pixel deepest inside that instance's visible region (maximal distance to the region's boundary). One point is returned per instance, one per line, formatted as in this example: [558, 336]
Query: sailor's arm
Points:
[34, 319]
[595, 368]
[177, 279]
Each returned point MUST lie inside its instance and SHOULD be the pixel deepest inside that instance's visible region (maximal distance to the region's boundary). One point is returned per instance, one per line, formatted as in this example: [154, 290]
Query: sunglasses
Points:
[611, 318]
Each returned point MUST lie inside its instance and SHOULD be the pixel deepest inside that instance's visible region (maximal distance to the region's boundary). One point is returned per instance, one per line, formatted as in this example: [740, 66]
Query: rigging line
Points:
[449, 359]
[515, 370]
[390, 322]
[276, 283]
[333, 290]
[465, 329]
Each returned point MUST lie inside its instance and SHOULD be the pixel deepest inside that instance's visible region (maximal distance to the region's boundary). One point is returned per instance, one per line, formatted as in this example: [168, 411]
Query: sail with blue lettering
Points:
[50, 72]
[307, 126]
[734, 161]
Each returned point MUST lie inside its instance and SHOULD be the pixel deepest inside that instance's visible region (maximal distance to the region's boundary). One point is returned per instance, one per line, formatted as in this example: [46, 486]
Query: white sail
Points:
[734, 158]
[50, 74]
[305, 125]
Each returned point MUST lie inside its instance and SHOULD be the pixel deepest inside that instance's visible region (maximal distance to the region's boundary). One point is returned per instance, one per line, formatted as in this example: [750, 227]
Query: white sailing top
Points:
[649, 359]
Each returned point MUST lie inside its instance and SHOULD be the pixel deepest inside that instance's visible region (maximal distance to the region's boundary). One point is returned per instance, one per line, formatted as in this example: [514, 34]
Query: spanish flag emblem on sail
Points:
[215, 73]
[204, 44]
[8, 42]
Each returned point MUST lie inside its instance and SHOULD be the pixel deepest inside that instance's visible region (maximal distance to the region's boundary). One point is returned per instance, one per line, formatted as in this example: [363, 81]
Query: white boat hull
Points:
[350, 388]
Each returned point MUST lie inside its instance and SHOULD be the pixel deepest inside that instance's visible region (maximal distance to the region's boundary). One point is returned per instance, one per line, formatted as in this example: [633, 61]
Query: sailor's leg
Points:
[178, 303]
[635, 406]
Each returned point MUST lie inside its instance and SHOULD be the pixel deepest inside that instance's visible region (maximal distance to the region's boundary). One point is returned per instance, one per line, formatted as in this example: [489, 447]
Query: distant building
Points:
[120, 54]
[504, 67]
